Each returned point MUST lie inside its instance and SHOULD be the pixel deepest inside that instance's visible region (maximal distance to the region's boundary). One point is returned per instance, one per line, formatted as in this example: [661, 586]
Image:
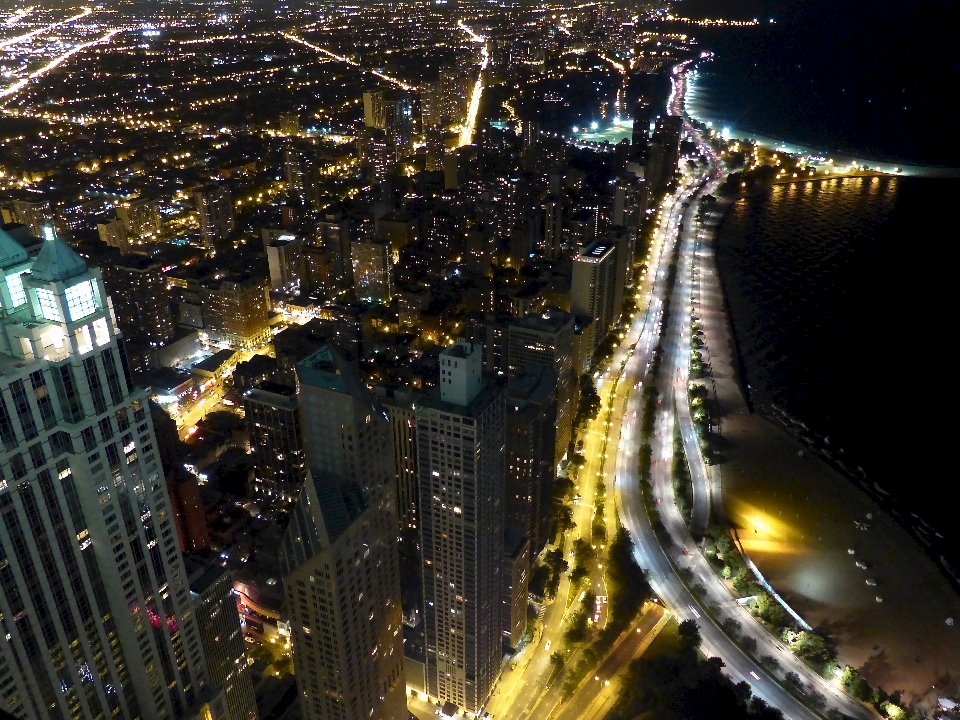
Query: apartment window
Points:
[96, 387]
[66, 386]
[7, 434]
[17, 466]
[49, 310]
[89, 441]
[37, 456]
[106, 429]
[18, 296]
[24, 412]
[113, 377]
[42, 394]
[81, 300]
[60, 443]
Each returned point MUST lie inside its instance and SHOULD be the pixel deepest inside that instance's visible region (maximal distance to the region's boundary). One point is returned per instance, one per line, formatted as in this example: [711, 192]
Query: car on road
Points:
[546, 648]
[871, 582]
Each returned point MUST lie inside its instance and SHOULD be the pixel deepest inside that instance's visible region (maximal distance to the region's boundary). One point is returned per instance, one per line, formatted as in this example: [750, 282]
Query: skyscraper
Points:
[372, 269]
[593, 287]
[400, 405]
[531, 419]
[138, 288]
[236, 311]
[339, 555]
[141, 219]
[546, 340]
[94, 600]
[460, 453]
[211, 588]
[641, 126]
[215, 208]
[273, 422]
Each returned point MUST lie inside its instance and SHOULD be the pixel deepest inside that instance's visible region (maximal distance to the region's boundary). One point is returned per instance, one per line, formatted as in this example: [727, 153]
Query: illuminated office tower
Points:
[339, 555]
[460, 454]
[215, 208]
[94, 602]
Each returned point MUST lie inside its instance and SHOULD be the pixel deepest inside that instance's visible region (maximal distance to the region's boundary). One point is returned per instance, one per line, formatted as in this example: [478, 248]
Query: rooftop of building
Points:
[595, 251]
[56, 261]
[215, 361]
[461, 350]
[487, 396]
[272, 393]
[203, 570]
[11, 252]
[532, 384]
[551, 320]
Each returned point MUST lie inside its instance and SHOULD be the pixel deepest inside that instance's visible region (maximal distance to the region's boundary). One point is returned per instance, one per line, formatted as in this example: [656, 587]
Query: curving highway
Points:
[677, 237]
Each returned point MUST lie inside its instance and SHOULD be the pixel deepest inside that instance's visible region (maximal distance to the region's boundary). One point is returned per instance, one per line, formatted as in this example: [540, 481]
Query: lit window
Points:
[84, 343]
[101, 331]
[81, 300]
[18, 296]
[49, 309]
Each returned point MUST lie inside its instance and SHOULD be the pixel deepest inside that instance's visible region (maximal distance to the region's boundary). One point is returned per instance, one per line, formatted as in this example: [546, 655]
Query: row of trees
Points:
[683, 685]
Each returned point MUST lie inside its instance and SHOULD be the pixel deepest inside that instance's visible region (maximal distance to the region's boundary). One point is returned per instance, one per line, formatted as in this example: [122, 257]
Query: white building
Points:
[94, 601]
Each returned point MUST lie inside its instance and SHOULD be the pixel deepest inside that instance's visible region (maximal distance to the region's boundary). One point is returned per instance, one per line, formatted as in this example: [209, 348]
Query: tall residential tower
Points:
[339, 555]
[94, 600]
[461, 458]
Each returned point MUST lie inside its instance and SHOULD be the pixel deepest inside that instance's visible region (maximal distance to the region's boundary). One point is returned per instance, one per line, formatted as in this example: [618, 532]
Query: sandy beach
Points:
[796, 516]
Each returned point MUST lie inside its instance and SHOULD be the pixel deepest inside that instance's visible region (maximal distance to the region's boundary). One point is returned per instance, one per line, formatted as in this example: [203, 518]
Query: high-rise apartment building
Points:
[141, 302]
[516, 583]
[667, 131]
[236, 311]
[215, 209]
[141, 219]
[339, 555]
[114, 233]
[392, 112]
[400, 405]
[460, 454]
[285, 258]
[94, 601]
[641, 126]
[546, 340]
[593, 286]
[333, 235]
[372, 270]
[272, 417]
[531, 419]
[33, 214]
[211, 588]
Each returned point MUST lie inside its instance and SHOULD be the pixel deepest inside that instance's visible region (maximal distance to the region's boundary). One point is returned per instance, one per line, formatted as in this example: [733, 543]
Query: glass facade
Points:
[49, 310]
[18, 296]
[81, 300]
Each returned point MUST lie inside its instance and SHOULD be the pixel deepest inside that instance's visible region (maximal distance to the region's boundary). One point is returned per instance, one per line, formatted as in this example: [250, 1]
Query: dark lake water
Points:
[838, 299]
[839, 289]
